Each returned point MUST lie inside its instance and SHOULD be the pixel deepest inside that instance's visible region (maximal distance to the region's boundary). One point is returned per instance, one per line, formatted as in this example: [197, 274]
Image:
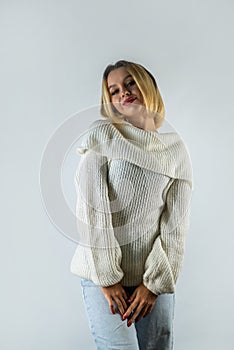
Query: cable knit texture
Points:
[134, 190]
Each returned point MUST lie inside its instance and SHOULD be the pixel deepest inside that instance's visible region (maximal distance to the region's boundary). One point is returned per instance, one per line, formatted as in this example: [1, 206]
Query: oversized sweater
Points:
[134, 190]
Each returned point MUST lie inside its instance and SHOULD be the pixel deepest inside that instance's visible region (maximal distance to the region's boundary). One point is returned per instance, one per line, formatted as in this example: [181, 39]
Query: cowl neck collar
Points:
[164, 153]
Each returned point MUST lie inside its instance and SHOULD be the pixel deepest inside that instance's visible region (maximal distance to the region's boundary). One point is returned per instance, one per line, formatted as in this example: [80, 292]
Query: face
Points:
[122, 87]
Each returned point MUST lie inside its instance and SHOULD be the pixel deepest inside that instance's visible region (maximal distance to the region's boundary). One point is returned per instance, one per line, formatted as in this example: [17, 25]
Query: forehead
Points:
[117, 75]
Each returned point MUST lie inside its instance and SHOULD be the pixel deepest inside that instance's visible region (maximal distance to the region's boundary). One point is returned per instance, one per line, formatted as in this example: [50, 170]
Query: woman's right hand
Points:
[117, 294]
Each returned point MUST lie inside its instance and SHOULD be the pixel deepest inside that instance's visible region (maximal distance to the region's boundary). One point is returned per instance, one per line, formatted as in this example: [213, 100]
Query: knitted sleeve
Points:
[98, 253]
[164, 261]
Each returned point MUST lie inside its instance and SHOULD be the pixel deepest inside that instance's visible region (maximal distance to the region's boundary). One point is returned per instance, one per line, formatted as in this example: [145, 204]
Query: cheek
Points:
[140, 95]
[136, 91]
[113, 98]
[116, 104]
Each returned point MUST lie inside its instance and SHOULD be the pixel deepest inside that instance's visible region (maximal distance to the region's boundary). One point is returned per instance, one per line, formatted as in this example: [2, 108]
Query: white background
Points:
[53, 54]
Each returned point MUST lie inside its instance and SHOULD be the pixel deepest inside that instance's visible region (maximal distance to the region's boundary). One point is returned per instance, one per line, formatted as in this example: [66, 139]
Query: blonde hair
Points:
[147, 85]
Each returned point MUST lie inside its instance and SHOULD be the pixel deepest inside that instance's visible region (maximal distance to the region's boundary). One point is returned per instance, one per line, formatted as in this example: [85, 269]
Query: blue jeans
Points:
[153, 332]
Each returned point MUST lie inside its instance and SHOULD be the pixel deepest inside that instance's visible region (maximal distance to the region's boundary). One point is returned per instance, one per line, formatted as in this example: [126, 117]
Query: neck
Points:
[144, 123]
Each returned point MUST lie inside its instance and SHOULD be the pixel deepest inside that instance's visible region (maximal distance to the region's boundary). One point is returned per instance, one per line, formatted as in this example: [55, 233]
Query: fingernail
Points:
[124, 317]
[129, 324]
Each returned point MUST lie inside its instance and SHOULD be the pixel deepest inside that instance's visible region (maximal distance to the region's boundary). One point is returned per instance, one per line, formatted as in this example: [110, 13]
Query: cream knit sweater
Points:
[134, 190]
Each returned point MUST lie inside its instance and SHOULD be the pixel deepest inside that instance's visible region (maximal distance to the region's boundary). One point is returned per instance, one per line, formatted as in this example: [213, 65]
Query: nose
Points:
[125, 92]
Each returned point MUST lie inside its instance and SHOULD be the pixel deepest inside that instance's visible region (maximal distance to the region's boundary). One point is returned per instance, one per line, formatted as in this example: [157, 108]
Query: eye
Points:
[114, 92]
[132, 82]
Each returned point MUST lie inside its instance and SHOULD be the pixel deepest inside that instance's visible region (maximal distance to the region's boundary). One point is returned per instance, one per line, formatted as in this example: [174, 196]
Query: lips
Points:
[129, 100]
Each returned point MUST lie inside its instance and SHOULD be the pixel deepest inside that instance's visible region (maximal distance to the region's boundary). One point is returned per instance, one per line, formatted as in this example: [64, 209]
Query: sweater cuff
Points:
[158, 288]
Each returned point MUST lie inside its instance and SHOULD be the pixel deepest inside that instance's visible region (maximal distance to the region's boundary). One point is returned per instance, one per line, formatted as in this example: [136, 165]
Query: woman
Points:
[134, 189]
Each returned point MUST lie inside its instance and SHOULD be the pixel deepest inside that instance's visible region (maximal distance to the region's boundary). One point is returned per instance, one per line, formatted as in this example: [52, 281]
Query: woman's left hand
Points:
[142, 302]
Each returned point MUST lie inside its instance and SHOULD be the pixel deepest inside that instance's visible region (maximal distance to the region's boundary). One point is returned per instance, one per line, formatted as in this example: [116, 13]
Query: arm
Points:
[97, 243]
[164, 262]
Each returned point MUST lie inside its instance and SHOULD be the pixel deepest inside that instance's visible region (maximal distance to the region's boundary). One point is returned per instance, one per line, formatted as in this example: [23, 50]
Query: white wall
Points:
[52, 57]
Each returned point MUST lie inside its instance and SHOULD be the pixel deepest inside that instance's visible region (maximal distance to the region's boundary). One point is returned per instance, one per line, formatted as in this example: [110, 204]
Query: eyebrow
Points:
[127, 76]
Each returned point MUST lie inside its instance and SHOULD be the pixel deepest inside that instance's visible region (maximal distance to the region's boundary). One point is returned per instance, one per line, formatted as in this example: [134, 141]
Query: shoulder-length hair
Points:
[147, 85]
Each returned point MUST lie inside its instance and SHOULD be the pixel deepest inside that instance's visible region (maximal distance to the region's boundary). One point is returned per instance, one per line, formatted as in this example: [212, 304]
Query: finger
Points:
[130, 309]
[136, 313]
[112, 309]
[124, 303]
[109, 300]
[120, 305]
[111, 306]
[144, 312]
[123, 298]
[124, 294]
[149, 310]
[132, 297]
